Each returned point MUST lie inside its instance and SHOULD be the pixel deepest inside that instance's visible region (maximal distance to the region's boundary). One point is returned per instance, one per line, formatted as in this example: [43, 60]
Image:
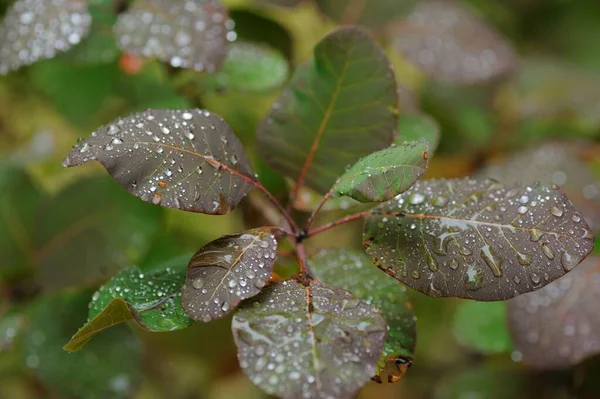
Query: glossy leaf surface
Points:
[418, 127]
[371, 13]
[384, 174]
[477, 239]
[338, 108]
[451, 44]
[189, 160]
[104, 230]
[152, 299]
[226, 271]
[109, 367]
[558, 326]
[353, 271]
[482, 327]
[34, 30]
[318, 342]
[184, 33]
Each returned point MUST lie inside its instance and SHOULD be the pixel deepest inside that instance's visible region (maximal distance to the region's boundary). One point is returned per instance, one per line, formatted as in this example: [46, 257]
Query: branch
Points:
[339, 222]
[312, 217]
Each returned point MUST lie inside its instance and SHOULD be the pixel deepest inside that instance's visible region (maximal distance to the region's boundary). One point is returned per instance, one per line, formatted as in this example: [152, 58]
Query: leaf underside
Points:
[384, 174]
[33, 30]
[196, 36]
[558, 326]
[338, 108]
[477, 239]
[183, 159]
[226, 271]
[296, 341]
[353, 271]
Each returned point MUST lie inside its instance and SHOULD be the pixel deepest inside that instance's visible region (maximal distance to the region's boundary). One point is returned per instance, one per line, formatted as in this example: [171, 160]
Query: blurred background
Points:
[513, 86]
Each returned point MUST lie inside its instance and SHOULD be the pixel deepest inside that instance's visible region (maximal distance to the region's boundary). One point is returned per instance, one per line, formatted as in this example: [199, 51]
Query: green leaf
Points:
[104, 230]
[152, 299]
[384, 174]
[183, 159]
[36, 30]
[108, 368]
[226, 271]
[463, 49]
[372, 13]
[100, 45]
[18, 202]
[558, 326]
[482, 327]
[338, 108]
[353, 271]
[310, 341]
[477, 239]
[195, 36]
[418, 127]
[251, 67]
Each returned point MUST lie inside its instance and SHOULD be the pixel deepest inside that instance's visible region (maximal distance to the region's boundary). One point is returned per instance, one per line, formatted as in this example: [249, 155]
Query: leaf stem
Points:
[301, 254]
[339, 222]
[312, 217]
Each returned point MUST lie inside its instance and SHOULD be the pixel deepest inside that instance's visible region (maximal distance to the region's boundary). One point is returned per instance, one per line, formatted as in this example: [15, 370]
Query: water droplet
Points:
[432, 263]
[165, 130]
[454, 264]
[415, 273]
[187, 116]
[576, 218]
[522, 210]
[112, 130]
[547, 251]
[492, 259]
[198, 283]
[524, 199]
[535, 278]
[225, 306]
[440, 201]
[535, 235]
[465, 251]
[524, 259]
[189, 135]
[556, 211]
[568, 261]
[116, 141]
[416, 199]
[232, 283]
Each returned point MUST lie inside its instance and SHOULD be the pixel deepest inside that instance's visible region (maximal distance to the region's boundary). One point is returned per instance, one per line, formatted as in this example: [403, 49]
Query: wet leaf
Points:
[557, 326]
[353, 271]
[34, 30]
[559, 163]
[251, 67]
[184, 33]
[109, 367]
[477, 239]
[97, 236]
[372, 13]
[338, 108]
[318, 342]
[384, 174]
[482, 327]
[183, 159]
[18, 202]
[418, 127]
[152, 299]
[226, 271]
[451, 44]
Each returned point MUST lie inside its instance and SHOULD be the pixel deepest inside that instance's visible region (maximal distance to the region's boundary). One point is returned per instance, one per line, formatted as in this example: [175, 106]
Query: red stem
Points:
[336, 223]
[301, 254]
[312, 217]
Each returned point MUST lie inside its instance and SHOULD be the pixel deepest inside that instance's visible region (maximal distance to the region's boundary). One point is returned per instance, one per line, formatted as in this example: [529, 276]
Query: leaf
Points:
[482, 327]
[34, 30]
[104, 230]
[477, 239]
[183, 159]
[451, 44]
[251, 67]
[100, 45]
[353, 271]
[226, 271]
[384, 174]
[557, 326]
[20, 197]
[108, 368]
[152, 299]
[319, 342]
[338, 108]
[418, 127]
[372, 13]
[560, 163]
[187, 34]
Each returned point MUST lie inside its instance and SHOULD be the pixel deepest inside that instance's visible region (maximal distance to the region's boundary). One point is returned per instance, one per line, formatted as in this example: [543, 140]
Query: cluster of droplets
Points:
[556, 326]
[451, 44]
[185, 33]
[226, 271]
[155, 296]
[183, 159]
[329, 351]
[462, 235]
[33, 30]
